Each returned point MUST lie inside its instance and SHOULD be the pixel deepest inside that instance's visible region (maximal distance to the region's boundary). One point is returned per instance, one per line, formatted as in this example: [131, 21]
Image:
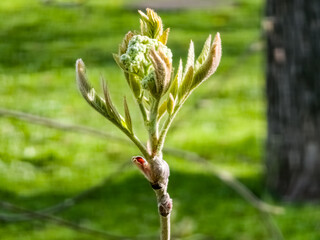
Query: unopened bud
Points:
[150, 61]
[162, 67]
[143, 166]
[165, 205]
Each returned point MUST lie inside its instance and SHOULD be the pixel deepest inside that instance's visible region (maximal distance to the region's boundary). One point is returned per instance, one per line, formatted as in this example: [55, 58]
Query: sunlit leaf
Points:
[184, 89]
[109, 105]
[190, 59]
[177, 80]
[204, 53]
[127, 115]
[211, 63]
[162, 109]
[88, 92]
[170, 104]
[164, 37]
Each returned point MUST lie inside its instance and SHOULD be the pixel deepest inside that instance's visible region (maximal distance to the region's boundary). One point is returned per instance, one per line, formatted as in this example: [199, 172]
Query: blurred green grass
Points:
[224, 121]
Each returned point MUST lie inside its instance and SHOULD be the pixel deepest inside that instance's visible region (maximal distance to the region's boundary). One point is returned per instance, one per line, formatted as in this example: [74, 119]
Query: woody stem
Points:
[164, 208]
[165, 227]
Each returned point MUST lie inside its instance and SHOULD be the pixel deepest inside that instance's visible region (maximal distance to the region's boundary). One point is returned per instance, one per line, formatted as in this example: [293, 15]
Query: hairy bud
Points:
[143, 166]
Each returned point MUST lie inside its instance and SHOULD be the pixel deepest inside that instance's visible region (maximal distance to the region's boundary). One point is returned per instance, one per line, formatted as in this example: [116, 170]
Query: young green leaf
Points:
[135, 86]
[184, 89]
[88, 92]
[109, 105]
[164, 37]
[127, 115]
[176, 81]
[151, 24]
[190, 59]
[162, 69]
[204, 53]
[125, 42]
[146, 101]
[116, 58]
[170, 104]
[159, 69]
[211, 63]
[162, 109]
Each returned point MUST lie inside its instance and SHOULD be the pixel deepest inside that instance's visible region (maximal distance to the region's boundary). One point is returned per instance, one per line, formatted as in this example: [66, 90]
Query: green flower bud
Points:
[136, 60]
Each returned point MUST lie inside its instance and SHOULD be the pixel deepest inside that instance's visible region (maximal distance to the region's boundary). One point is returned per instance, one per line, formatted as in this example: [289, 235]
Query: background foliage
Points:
[224, 122]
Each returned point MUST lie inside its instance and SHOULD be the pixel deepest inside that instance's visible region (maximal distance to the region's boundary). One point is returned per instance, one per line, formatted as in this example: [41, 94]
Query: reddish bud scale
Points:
[140, 160]
[144, 167]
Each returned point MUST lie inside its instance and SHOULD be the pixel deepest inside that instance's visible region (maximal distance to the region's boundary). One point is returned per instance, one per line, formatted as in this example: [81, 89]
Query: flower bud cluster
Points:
[146, 62]
[140, 60]
[136, 60]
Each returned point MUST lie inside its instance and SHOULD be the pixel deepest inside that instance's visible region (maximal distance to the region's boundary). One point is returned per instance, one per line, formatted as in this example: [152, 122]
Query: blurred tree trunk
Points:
[293, 95]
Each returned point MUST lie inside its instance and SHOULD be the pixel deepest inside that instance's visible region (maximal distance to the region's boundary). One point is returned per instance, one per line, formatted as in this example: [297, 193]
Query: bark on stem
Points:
[159, 178]
[165, 227]
[164, 208]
